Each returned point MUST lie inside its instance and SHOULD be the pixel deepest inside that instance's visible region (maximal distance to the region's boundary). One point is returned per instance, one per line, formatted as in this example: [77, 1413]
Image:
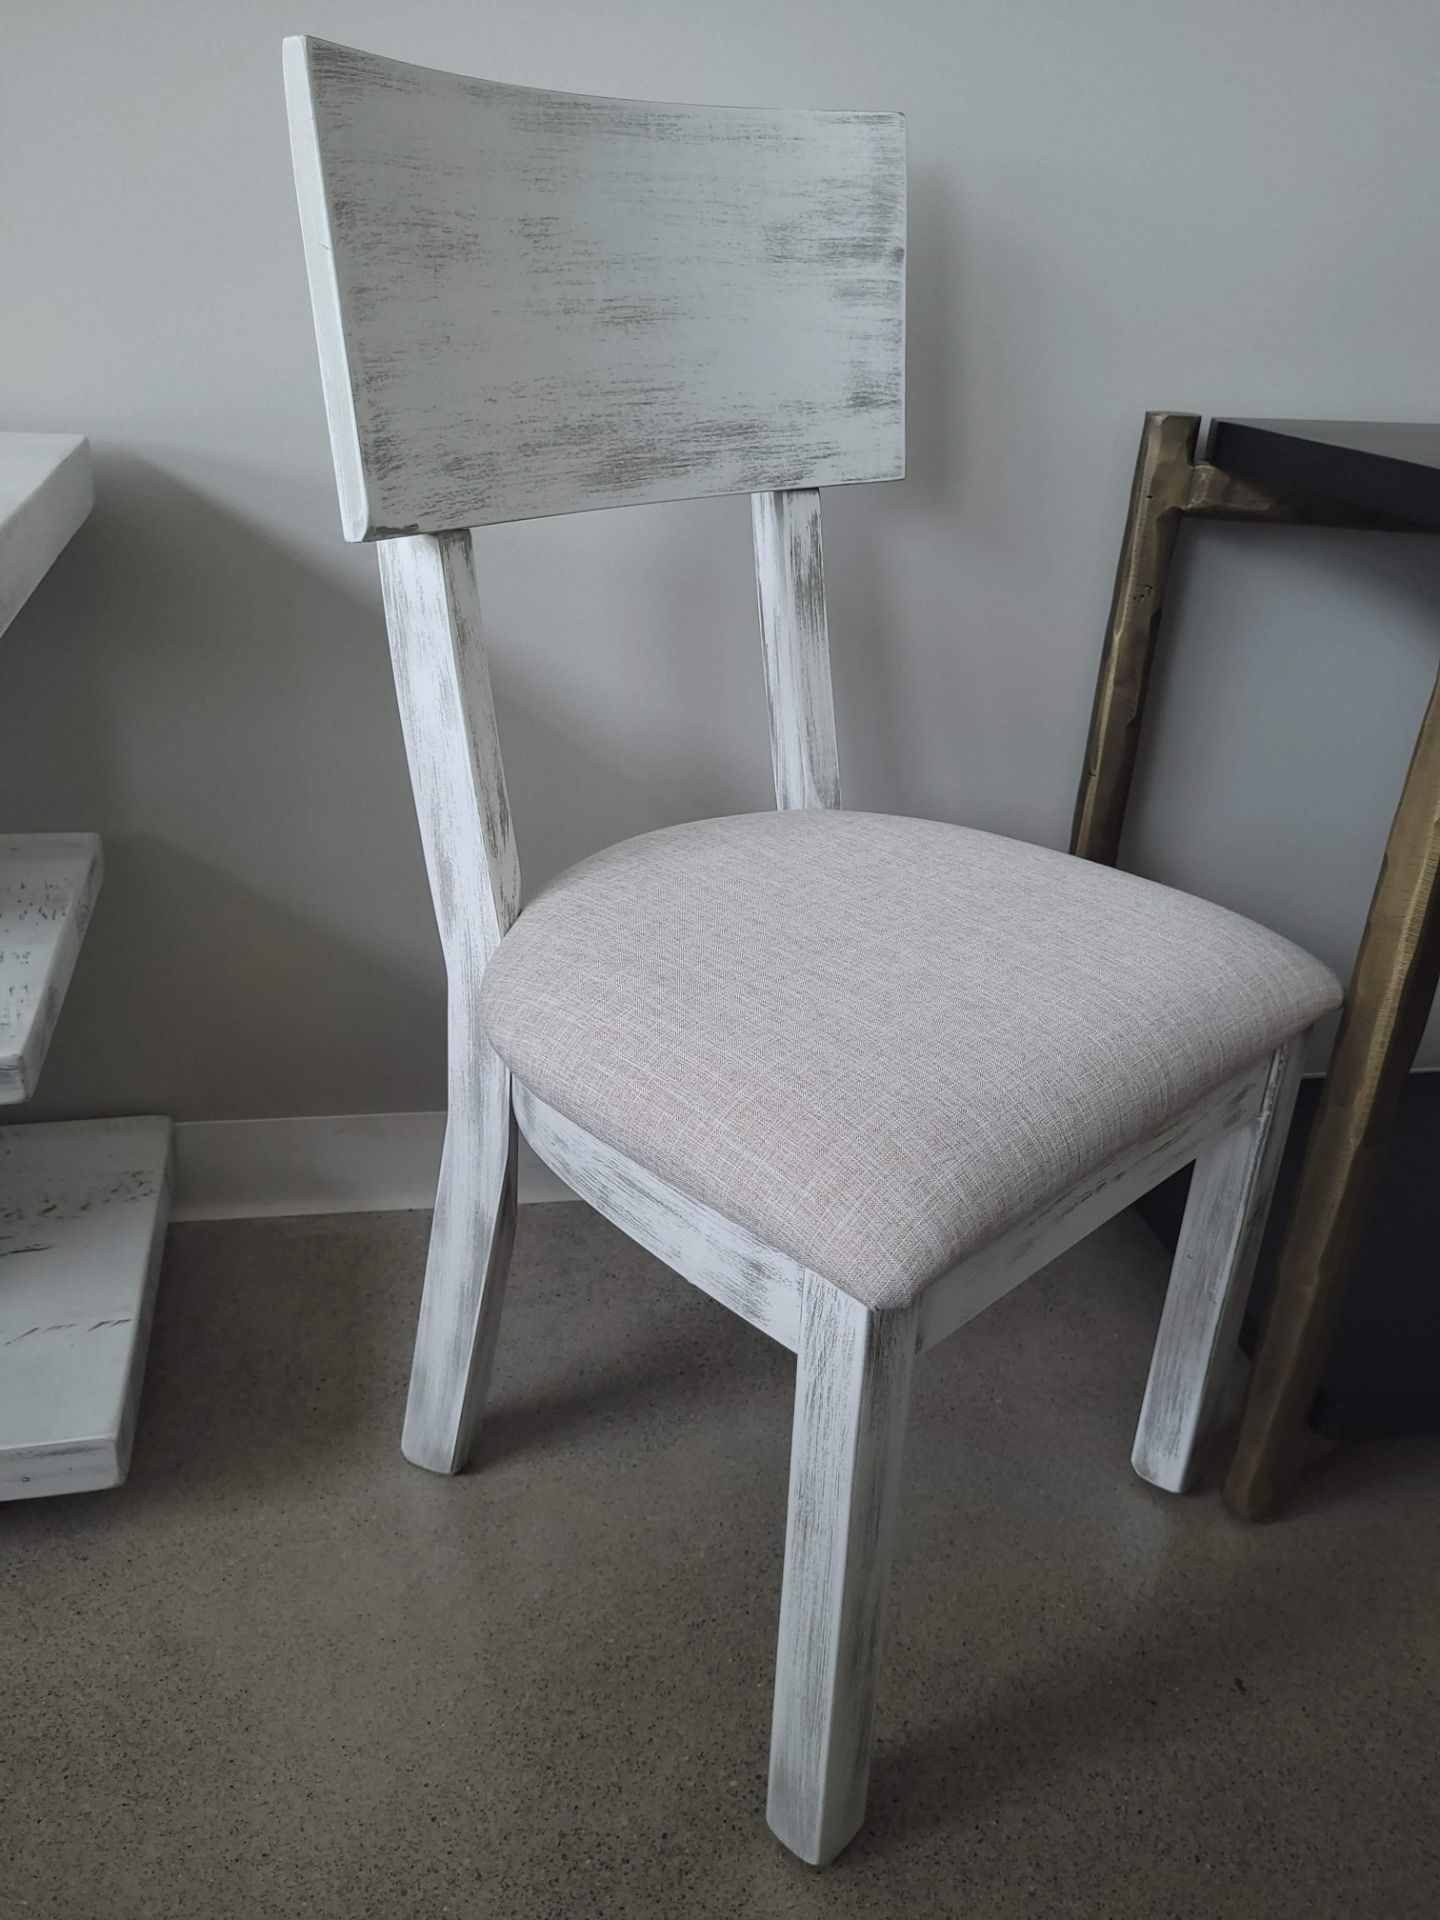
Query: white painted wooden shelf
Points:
[46, 490]
[48, 883]
[82, 1220]
[83, 1203]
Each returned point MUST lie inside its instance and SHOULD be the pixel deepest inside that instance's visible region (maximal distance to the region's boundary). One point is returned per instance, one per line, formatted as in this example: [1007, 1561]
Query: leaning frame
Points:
[1396, 968]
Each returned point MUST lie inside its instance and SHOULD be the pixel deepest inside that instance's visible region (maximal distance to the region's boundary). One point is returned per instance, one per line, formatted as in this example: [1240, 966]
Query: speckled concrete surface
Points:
[282, 1673]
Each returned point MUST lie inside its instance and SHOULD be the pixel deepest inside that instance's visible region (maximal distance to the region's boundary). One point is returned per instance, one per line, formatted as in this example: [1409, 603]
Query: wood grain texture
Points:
[447, 712]
[715, 1254]
[1169, 486]
[531, 303]
[852, 1397]
[1158, 496]
[1390, 996]
[48, 884]
[1356, 474]
[468, 1260]
[986, 1276]
[83, 1206]
[442, 680]
[1210, 1278]
[790, 583]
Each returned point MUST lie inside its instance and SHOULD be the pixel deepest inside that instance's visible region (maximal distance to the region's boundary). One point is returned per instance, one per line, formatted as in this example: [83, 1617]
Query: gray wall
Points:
[1227, 208]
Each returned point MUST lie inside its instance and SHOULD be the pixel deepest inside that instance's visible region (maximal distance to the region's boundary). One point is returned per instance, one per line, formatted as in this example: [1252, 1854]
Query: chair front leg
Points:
[852, 1395]
[1220, 1237]
[469, 1258]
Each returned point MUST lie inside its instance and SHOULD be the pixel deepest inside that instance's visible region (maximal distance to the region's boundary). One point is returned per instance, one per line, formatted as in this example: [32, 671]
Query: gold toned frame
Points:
[1396, 969]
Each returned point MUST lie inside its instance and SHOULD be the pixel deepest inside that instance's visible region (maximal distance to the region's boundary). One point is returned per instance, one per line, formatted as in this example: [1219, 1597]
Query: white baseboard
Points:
[321, 1163]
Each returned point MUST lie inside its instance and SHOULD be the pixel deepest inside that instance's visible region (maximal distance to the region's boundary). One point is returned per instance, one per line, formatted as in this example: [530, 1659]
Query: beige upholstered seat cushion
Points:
[878, 1042]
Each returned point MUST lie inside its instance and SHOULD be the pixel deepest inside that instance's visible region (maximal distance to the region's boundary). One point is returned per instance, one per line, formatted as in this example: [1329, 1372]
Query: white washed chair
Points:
[854, 1076]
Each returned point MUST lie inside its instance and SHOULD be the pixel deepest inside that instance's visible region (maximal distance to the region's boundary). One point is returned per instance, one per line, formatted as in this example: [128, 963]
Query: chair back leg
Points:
[1220, 1237]
[469, 1258]
[852, 1396]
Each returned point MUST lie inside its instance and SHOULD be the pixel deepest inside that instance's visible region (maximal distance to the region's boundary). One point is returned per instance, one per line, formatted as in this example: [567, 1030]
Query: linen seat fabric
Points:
[879, 1042]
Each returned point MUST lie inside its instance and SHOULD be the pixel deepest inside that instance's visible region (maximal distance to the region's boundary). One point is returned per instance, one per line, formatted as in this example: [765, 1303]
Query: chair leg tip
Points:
[808, 1853]
[1248, 1499]
[435, 1456]
[443, 1468]
[812, 1845]
[1170, 1476]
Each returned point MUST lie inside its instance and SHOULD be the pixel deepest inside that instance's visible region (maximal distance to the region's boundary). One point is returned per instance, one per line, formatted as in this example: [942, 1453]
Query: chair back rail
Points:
[790, 579]
[531, 303]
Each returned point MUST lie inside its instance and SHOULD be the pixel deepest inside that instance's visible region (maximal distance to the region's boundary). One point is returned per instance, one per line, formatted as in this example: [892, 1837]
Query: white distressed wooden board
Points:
[46, 490]
[447, 715]
[48, 883]
[992, 1272]
[790, 581]
[82, 1220]
[717, 1255]
[1220, 1237]
[531, 303]
[852, 1395]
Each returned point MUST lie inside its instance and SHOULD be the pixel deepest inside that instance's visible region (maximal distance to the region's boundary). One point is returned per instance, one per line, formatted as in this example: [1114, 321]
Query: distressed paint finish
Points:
[532, 303]
[1032, 1243]
[790, 583]
[432, 611]
[48, 884]
[1214, 1261]
[717, 1255]
[852, 1396]
[447, 711]
[82, 1223]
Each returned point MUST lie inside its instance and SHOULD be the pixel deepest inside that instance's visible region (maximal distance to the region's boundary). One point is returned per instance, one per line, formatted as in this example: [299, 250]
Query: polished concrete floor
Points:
[281, 1673]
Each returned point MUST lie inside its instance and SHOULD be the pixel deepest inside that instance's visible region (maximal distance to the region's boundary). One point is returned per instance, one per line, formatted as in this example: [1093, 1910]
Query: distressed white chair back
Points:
[532, 303]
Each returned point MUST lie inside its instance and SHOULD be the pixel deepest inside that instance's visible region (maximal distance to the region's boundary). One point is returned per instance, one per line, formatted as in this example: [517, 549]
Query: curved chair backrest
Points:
[531, 303]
